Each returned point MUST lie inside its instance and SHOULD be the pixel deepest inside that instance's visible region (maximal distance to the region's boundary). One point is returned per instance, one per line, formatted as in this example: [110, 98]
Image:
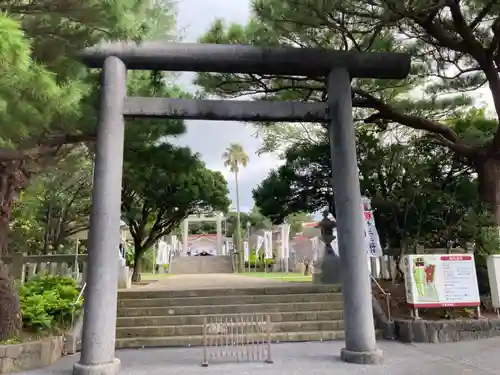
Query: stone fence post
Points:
[17, 268]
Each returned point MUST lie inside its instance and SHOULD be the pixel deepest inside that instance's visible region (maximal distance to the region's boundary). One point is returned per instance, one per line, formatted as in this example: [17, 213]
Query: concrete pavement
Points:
[318, 358]
[210, 281]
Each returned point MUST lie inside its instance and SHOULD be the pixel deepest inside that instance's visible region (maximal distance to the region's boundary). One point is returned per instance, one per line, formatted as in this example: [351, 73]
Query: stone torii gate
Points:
[218, 218]
[98, 346]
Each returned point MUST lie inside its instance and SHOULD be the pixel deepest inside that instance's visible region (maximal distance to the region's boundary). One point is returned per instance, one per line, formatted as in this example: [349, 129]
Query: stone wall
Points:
[30, 355]
[445, 330]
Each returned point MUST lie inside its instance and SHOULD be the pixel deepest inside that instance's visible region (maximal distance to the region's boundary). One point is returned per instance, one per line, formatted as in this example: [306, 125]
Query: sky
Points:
[211, 138]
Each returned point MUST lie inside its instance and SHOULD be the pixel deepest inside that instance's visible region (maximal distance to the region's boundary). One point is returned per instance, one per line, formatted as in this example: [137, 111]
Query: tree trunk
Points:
[307, 269]
[12, 179]
[136, 275]
[239, 245]
[489, 185]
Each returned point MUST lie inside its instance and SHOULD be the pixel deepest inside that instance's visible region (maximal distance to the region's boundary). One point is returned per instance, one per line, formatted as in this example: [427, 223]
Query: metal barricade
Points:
[237, 338]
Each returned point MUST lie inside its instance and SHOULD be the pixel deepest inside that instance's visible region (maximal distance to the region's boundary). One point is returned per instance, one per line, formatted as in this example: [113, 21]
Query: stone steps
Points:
[229, 309]
[149, 318]
[201, 264]
[176, 341]
[182, 320]
[196, 330]
[227, 300]
[297, 288]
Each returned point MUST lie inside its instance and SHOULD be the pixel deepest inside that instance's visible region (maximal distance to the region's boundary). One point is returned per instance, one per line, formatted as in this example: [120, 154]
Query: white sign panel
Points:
[315, 248]
[246, 251]
[493, 264]
[441, 280]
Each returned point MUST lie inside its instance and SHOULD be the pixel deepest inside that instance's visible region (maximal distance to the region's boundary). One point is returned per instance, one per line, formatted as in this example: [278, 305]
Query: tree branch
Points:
[384, 111]
[34, 149]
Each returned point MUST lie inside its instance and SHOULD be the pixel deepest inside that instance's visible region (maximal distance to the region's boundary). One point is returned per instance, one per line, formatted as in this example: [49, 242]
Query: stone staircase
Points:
[201, 264]
[148, 318]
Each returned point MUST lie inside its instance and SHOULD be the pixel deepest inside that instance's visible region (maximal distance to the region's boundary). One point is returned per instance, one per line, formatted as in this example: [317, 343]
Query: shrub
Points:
[48, 302]
[258, 261]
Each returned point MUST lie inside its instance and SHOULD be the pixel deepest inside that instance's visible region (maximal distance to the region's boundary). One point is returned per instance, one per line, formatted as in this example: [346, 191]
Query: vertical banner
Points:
[175, 244]
[161, 255]
[246, 251]
[168, 255]
[372, 240]
[260, 242]
[285, 240]
[335, 242]
[268, 244]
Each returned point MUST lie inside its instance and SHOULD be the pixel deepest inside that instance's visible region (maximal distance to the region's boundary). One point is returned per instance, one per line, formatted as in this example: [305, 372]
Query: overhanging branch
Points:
[385, 112]
[46, 146]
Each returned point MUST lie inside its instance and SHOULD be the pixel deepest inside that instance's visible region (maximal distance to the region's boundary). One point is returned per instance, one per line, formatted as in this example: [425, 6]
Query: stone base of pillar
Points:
[362, 358]
[112, 368]
[328, 270]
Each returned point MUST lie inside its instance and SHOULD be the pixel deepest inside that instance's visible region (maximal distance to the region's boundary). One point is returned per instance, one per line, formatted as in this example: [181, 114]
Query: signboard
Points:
[441, 281]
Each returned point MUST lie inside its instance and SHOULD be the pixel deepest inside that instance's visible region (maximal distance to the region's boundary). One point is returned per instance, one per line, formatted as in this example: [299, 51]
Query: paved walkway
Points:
[211, 281]
[473, 357]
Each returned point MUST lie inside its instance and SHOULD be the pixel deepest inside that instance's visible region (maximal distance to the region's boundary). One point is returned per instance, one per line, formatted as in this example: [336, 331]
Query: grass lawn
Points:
[294, 277]
[147, 276]
[291, 277]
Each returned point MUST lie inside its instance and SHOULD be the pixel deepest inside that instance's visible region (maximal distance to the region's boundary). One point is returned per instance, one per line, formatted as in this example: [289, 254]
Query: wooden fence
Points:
[24, 267]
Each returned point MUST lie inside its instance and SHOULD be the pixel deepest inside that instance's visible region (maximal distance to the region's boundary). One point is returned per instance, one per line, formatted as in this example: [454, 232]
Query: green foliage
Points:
[234, 156]
[254, 219]
[421, 194]
[259, 261]
[161, 186]
[48, 302]
[54, 207]
[48, 99]
[31, 97]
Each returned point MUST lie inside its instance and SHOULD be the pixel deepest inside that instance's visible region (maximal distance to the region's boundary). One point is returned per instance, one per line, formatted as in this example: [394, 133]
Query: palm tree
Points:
[233, 157]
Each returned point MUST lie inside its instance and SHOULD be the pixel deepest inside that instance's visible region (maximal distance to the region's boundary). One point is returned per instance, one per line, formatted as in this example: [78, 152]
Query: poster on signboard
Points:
[441, 280]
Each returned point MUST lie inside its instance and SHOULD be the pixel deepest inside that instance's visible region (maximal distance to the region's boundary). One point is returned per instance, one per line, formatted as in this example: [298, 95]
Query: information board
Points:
[441, 280]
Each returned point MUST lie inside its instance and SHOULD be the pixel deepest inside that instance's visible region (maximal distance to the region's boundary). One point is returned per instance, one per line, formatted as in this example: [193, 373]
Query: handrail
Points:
[76, 301]
[386, 295]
